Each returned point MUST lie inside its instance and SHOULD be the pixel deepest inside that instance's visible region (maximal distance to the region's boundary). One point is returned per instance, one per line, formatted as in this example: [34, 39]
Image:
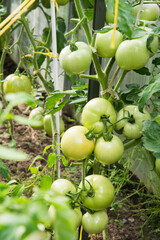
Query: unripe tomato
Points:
[75, 145]
[77, 61]
[94, 110]
[17, 83]
[132, 127]
[37, 114]
[109, 17]
[48, 126]
[46, 3]
[150, 12]
[96, 222]
[62, 2]
[157, 166]
[104, 41]
[132, 54]
[62, 186]
[105, 150]
[100, 196]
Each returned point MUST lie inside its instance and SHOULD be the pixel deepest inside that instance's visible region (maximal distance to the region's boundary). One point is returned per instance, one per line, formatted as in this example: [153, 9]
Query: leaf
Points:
[51, 159]
[143, 71]
[34, 170]
[60, 41]
[138, 33]
[149, 42]
[61, 24]
[4, 171]
[89, 13]
[151, 137]
[46, 182]
[64, 215]
[19, 98]
[51, 101]
[12, 154]
[156, 61]
[126, 18]
[64, 161]
[153, 87]
[18, 190]
[59, 107]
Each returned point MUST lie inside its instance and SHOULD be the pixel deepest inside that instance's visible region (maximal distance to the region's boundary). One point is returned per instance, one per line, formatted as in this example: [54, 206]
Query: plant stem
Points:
[120, 80]
[105, 234]
[83, 173]
[132, 143]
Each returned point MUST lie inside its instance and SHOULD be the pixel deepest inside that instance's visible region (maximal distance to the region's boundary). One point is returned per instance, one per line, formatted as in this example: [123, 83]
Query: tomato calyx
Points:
[90, 134]
[73, 47]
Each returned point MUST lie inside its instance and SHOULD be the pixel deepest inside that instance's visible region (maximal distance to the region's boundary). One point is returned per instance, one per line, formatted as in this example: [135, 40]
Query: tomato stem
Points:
[83, 173]
[132, 143]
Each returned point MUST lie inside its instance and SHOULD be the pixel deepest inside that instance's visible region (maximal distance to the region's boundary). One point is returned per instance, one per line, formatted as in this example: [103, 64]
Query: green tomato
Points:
[96, 222]
[75, 145]
[94, 110]
[157, 166]
[104, 41]
[150, 12]
[99, 193]
[62, 2]
[155, 42]
[62, 186]
[37, 115]
[105, 150]
[17, 83]
[78, 61]
[132, 54]
[132, 127]
[46, 3]
[48, 126]
[109, 17]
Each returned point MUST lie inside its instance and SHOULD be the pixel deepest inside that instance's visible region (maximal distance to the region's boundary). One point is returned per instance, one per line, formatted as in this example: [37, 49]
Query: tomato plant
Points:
[17, 83]
[100, 192]
[93, 112]
[130, 120]
[104, 43]
[62, 2]
[47, 123]
[149, 12]
[75, 145]
[36, 114]
[95, 222]
[105, 150]
[46, 3]
[76, 59]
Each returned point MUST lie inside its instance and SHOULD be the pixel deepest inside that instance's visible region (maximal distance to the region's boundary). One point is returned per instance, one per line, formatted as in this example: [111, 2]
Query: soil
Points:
[124, 223]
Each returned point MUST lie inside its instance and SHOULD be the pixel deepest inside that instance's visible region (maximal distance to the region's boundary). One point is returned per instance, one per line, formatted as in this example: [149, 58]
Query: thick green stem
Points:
[83, 173]
[120, 80]
[105, 234]
[132, 143]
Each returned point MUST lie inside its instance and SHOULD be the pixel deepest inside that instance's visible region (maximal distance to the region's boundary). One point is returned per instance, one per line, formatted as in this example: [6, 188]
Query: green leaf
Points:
[59, 107]
[61, 24]
[63, 215]
[89, 13]
[156, 61]
[46, 182]
[51, 159]
[19, 98]
[34, 170]
[151, 137]
[153, 87]
[143, 71]
[126, 19]
[64, 161]
[18, 190]
[60, 41]
[4, 171]
[46, 148]
[138, 33]
[51, 101]
[149, 42]
[12, 154]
